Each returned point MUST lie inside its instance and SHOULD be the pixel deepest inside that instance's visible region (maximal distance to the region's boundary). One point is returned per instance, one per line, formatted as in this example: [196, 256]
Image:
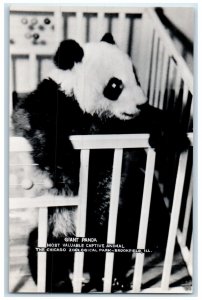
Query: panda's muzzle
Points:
[129, 115]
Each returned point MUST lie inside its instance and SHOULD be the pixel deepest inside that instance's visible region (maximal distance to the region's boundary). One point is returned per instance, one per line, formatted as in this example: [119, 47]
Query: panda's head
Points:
[100, 77]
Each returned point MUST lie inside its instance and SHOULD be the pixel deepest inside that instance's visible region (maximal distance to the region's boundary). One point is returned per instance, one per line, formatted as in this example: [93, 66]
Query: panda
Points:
[94, 89]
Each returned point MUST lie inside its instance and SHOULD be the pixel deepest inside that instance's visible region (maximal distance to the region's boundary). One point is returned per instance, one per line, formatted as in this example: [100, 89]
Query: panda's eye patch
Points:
[113, 89]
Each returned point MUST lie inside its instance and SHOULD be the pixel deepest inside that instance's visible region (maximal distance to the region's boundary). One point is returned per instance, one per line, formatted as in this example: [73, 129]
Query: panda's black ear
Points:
[68, 53]
[108, 38]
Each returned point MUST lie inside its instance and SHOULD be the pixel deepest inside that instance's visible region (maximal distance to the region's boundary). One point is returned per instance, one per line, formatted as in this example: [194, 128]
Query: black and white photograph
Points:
[101, 149]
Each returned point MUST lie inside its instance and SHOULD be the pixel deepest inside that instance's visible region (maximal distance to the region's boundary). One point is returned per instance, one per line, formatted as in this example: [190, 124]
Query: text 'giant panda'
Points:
[93, 90]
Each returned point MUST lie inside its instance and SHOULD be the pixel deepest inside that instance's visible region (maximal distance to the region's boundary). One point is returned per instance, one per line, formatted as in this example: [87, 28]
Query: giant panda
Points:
[93, 89]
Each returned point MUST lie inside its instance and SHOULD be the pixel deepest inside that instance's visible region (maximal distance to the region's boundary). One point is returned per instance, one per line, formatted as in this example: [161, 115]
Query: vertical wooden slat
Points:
[185, 95]
[41, 256]
[190, 262]
[187, 214]
[153, 71]
[145, 53]
[81, 220]
[121, 31]
[190, 125]
[170, 85]
[11, 86]
[158, 76]
[80, 33]
[59, 26]
[174, 221]
[100, 25]
[185, 114]
[113, 212]
[163, 78]
[142, 235]
[32, 71]
[177, 83]
[191, 246]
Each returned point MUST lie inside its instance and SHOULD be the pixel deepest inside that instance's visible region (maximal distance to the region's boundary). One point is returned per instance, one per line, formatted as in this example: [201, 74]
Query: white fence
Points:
[166, 80]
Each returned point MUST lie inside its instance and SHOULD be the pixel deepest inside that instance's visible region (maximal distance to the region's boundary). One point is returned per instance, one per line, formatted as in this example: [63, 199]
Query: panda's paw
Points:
[93, 286]
[121, 284]
[62, 286]
[169, 140]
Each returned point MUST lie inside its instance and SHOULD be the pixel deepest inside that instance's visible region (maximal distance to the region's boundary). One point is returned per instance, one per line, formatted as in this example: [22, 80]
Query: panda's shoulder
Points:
[45, 98]
[45, 92]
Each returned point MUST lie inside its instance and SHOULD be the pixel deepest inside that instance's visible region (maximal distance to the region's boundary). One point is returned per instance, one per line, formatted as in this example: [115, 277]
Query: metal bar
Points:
[81, 220]
[142, 235]
[113, 213]
[174, 220]
[41, 256]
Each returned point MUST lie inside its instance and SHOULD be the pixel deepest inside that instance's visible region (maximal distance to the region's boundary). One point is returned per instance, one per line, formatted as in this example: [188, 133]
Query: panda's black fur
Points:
[47, 117]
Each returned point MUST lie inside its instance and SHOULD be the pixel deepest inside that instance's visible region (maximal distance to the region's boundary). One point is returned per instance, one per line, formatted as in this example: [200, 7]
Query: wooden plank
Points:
[67, 8]
[121, 32]
[18, 144]
[111, 141]
[186, 253]
[41, 256]
[153, 71]
[190, 262]
[187, 213]
[113, 213]
[43, 201]
[163, 77]
[159, 74]
[100, 25]
[58, 35]
[80, 36]
[81, 220]
[145, 53]
[174, 221]
[32, 71]
[144, 217]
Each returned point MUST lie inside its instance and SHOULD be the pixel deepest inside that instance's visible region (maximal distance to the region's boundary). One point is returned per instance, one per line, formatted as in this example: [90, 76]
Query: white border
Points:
[4, 133]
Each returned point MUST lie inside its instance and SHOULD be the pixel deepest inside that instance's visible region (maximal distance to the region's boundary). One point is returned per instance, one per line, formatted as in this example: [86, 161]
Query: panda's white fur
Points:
[101, 62]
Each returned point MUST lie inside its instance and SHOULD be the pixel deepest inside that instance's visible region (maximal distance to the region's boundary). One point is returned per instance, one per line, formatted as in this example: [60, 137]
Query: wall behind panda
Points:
[180, 23]
[183, 18]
